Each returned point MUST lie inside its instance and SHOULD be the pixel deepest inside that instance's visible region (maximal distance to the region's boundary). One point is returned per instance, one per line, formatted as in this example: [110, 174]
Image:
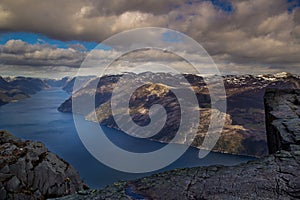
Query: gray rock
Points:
[29, 171]
[13, 185]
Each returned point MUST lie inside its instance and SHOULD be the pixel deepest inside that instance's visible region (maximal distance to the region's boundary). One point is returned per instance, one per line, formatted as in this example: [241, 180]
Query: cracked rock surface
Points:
[276, 176]
[283, 119]
[29, 171]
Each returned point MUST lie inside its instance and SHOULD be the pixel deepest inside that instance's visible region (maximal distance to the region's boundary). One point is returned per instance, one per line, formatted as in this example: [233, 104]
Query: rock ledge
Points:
[29, 171]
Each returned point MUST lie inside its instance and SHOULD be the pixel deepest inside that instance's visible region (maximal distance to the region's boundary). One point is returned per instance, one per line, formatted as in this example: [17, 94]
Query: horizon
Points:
[121, 73]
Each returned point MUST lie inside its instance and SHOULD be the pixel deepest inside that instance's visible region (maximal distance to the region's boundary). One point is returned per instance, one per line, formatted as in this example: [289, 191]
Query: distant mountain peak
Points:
[282, 75]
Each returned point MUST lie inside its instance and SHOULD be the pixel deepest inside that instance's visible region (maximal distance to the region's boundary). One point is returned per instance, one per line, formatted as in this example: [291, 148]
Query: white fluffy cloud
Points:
[17, 52]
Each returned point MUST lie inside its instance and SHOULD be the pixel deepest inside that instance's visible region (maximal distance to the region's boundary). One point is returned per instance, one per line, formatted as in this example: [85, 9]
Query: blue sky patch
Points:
[171, 36]
[33, 38]
[224, 5]
[293, 4]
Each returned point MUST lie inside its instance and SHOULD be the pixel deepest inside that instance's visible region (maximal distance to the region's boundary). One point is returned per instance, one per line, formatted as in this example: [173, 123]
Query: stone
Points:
[13, 185]
[29, 171]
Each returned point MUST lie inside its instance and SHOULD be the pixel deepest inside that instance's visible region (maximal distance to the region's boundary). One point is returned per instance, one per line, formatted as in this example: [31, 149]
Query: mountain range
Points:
[244, 130]
[13, 89]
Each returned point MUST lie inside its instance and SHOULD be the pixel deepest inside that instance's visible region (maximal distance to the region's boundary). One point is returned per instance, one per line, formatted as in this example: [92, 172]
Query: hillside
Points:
[243, 132]
[13, 89]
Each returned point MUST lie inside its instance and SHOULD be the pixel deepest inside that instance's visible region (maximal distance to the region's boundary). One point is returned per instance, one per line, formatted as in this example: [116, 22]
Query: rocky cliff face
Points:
[283, 119]
[244, 131]
[29, 171]
[276, 176]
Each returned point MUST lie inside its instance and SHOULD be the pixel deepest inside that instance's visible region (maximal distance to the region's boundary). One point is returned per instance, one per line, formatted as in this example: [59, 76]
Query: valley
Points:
[244, 130]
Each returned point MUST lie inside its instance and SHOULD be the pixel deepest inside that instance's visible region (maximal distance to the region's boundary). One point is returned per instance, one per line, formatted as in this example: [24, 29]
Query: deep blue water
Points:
[37, 119]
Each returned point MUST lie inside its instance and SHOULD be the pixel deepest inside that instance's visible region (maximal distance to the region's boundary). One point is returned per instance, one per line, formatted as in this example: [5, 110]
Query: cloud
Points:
[17, 52]
[256, 32]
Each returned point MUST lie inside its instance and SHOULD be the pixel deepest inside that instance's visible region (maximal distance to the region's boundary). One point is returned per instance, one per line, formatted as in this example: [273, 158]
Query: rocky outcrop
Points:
[283, 119]
[276, 176]
[29, 171]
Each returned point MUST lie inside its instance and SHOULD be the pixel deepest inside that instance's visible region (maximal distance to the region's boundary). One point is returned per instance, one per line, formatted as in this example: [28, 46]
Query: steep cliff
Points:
[282, 117]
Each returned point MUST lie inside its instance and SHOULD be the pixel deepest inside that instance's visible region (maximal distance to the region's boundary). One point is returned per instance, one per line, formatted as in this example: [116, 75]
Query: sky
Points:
[52, 38]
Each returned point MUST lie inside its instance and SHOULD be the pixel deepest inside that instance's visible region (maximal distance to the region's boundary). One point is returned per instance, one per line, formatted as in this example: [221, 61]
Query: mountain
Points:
[57, 82]
[244, 130]
[275, 176]
[17, 88]
[26, 84]
[81, 80]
